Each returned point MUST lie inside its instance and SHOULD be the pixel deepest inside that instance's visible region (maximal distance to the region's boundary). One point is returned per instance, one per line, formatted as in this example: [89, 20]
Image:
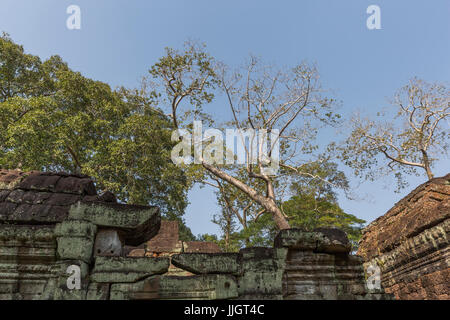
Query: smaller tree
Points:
[309, 212]
[313, 203]
[186, 75]
[413, 141]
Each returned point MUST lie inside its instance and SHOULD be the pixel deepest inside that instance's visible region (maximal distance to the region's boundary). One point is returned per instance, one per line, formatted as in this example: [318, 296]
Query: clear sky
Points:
[119, 40]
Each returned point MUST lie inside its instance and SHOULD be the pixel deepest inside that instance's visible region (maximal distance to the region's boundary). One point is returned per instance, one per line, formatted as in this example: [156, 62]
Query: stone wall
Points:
[410, 243]
[166, 243]
[53, 225]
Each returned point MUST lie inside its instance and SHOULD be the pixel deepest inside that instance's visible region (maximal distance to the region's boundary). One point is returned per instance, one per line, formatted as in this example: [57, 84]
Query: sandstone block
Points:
[171, 287]
[204, 263]
[127, 269]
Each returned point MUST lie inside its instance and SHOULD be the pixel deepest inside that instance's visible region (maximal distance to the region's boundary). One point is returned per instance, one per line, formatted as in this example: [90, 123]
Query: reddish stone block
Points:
[167, 238]
[201, 246]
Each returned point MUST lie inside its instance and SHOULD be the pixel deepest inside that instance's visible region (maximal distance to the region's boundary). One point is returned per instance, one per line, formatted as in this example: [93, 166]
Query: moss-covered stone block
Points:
[262, 272]
[78, 248]
[76, 228]
[207, 263]
[139, 223]
[325, 240]
[26, 233]
[72, 281]
[262, 259]
[171, 287]
[98, 291]
[127, 269]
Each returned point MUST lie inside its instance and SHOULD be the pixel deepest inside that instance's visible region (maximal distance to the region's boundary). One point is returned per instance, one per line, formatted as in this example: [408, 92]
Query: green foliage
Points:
[313, 204]
[308, 212]
[55, 119]
[24, 75]
[184, 75]
[320, 179]
[407, 139]
[233, 246]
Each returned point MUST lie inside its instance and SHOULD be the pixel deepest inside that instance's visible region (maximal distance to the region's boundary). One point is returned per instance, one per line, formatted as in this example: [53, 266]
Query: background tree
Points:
[312, 204]
[418, 135]
[55, 119]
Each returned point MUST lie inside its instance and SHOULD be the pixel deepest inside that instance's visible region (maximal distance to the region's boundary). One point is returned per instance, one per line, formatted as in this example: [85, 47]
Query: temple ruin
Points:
[55, 229]
[410, 243]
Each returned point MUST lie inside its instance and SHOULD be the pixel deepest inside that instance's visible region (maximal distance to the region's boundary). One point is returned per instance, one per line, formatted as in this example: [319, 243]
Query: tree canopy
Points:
[410, 142]
[56, 119]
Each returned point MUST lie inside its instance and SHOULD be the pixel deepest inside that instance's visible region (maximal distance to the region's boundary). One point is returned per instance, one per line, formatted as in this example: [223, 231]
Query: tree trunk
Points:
[277, 215]
[266, 202]
[426, 165]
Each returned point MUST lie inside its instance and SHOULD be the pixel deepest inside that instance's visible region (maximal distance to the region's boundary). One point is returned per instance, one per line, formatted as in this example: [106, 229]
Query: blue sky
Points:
[119, 40]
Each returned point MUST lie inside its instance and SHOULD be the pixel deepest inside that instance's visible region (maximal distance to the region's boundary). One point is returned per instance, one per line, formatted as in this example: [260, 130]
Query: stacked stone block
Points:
[88, 241]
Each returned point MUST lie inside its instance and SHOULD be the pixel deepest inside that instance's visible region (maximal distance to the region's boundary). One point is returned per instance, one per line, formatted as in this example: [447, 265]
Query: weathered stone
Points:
[61, 199]
[312, 275]
[27, 233]
[425, 207]
[171, 287]
[297, 238]
[410, 243]
[78, 248]
[4, 194]
[203, 263]
[166, 240]
[69, 271]
[76, 228]
[75, 185]
[261, 272]
[127, 269]
[98, 291]
[40, 239]
[136, 253]
[106, 196]
[38, 214]
[333, 241]
[39, 181]
[6, 210]
[327, 240]
[139, 223]
[201, 246]
[27, 257]
[108, 243]
[15, 196]
[35, 197]
[75, 240]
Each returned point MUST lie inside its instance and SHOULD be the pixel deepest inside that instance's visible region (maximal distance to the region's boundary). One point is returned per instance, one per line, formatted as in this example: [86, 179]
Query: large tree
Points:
[407, 139]
[55, 119]
[259, 98]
